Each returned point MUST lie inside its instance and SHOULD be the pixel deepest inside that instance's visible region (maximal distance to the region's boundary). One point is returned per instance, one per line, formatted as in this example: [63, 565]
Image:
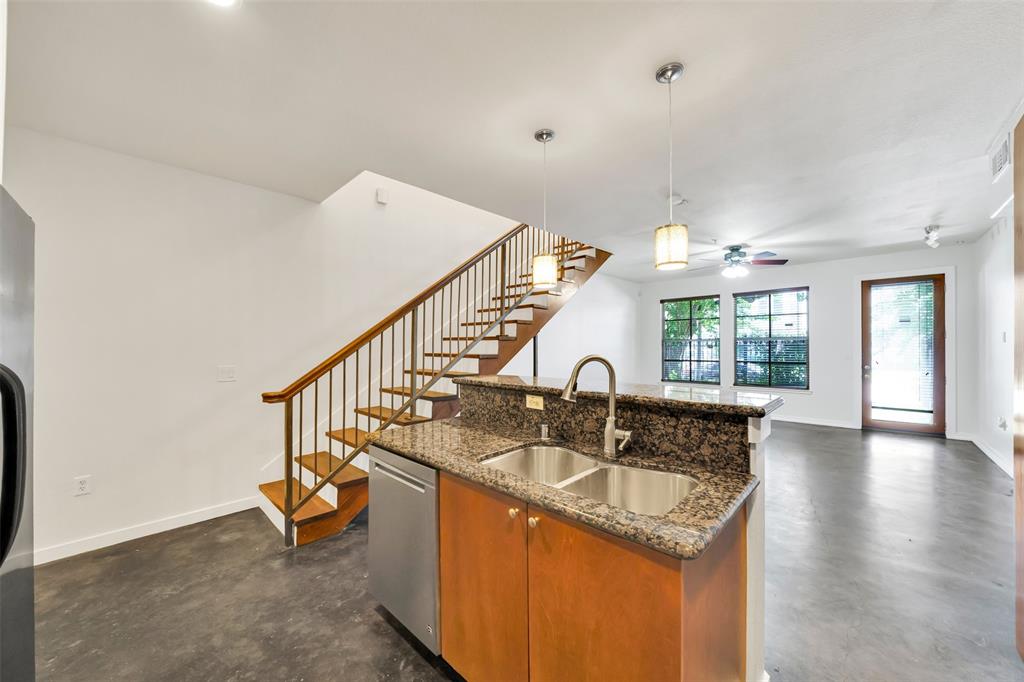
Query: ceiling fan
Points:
[736, 260]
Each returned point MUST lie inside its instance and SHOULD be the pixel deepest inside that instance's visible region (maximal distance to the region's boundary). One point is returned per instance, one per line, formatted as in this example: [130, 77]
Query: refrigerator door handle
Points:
[15, 453]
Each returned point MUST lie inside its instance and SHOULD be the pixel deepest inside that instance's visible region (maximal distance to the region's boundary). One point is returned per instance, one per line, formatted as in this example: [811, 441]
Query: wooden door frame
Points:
[939, 398]
[1018, 374]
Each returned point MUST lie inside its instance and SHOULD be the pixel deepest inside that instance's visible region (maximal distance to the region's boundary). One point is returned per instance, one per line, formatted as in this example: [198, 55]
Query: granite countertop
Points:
[684, 532]
[683, 398]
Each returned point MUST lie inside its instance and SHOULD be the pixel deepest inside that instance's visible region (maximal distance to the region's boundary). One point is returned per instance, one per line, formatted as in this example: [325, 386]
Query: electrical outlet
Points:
[226, 372]
[534, 402]
[81, 485]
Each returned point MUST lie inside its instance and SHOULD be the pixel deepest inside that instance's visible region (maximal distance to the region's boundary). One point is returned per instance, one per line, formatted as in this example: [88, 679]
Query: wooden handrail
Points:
[327, 365]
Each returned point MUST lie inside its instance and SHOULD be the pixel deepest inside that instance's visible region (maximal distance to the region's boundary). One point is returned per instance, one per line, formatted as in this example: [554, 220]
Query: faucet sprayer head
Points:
[569, 393]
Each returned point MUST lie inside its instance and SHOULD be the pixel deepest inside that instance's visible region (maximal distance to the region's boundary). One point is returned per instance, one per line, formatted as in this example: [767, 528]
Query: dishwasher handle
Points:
[400, 476]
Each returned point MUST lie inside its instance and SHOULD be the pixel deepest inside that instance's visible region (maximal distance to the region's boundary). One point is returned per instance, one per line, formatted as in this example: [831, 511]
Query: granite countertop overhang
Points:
[684, 532]
[682, 398]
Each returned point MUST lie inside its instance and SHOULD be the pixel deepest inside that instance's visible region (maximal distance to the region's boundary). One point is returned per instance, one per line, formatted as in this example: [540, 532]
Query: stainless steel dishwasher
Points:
[403, 553]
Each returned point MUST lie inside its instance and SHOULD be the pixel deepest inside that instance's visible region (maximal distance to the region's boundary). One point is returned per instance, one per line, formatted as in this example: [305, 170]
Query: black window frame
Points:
[769, 362]
[690, 361]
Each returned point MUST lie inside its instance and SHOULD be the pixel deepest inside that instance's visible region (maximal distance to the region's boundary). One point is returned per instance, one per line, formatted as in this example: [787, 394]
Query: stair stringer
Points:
[508, 349]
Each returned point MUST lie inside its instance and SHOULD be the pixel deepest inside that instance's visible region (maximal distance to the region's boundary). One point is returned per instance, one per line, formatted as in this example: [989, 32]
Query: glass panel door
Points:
[903, 362]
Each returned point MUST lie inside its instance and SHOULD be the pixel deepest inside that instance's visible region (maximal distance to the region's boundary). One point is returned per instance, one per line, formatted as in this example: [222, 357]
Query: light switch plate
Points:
[534, 402]
[226, 372]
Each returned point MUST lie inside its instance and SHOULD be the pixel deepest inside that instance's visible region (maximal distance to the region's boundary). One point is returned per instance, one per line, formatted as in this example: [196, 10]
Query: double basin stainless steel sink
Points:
[638, 490]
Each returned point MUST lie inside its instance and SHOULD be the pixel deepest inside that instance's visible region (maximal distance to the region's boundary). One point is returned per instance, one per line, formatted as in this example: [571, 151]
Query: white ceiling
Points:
[817, 130]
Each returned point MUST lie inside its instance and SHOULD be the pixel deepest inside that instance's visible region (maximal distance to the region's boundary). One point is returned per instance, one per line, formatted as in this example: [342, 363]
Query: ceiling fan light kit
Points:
[736, 261]
[735, 270]
[545, 265]
[672, 240]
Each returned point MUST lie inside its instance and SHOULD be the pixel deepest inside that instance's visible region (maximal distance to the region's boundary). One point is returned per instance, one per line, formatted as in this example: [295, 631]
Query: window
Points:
[689, 340]
[771, 338]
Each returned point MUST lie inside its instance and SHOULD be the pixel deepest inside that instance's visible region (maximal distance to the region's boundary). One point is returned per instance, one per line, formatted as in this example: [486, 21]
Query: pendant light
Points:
[672, 240]
[545, 265]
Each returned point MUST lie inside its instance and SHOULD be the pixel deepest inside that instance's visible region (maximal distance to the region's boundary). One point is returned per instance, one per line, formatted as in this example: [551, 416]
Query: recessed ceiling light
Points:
[225, 3]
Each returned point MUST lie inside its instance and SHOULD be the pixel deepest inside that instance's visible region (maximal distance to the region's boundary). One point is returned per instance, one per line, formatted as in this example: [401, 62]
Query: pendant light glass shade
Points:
[671, 247]
[545, 271]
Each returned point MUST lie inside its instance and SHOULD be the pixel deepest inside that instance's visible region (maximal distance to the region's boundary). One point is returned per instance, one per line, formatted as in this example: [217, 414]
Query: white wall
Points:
[149, 277]
[600, 318]
[994, 252]
[3, 80]
[834, 318]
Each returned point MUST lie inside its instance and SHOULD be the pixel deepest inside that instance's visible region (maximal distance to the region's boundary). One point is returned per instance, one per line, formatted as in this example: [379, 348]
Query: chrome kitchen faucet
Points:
[611, 434]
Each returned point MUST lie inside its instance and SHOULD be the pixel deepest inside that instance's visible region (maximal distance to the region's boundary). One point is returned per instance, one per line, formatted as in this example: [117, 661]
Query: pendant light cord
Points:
[544, 219]
[670, 221]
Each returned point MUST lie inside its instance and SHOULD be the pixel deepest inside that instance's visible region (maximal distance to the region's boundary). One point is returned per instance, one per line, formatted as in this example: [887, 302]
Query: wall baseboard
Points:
[1005, 466]
[987, 449]
[836, 423]
[66, 549]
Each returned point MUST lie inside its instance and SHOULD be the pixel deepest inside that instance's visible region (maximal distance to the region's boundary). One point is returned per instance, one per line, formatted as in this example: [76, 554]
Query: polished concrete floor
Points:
[889, 558]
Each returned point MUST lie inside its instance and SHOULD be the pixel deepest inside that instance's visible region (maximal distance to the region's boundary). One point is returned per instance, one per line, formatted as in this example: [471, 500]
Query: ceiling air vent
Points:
[1000, 158]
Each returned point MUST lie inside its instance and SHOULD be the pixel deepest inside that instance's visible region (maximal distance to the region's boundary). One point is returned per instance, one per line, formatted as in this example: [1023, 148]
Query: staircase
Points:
[473, 320]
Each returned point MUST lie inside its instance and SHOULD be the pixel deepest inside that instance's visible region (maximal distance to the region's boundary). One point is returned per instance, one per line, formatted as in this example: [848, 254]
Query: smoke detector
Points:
[931, 236]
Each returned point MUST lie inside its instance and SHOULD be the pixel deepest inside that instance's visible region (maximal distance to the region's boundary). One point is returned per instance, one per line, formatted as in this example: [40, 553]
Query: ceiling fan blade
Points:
[703, 267]
[771, 261]
[764, 254]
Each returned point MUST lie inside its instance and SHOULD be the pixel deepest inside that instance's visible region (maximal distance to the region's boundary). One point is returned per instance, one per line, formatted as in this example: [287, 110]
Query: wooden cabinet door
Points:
[484, 626]
[601, 608]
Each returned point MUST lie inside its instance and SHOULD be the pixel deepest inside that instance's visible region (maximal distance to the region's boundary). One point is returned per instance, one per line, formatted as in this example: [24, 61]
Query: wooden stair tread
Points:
[383, 413]
[487, 323]
[434, 372]
[316, 508]
[527, 285]
[473, 338]
[523, 306]
[429, 395]
[438, 354]
[321, 463]
[516, 297]
[567, 266]
[351, 436]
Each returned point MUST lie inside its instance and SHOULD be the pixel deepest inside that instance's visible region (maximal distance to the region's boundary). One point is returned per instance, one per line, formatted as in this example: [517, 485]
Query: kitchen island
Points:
[539, 579]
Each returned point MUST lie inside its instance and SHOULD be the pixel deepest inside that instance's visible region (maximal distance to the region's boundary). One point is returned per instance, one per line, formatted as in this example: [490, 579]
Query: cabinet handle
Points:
[533, 521]
[513, 512]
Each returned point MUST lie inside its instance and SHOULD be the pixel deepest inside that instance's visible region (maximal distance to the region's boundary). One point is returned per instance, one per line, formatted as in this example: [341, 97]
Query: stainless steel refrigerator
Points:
[17, 615]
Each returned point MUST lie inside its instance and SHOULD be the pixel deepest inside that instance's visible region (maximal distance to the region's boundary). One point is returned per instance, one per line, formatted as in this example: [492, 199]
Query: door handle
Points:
[15, 457]
[399, 476]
